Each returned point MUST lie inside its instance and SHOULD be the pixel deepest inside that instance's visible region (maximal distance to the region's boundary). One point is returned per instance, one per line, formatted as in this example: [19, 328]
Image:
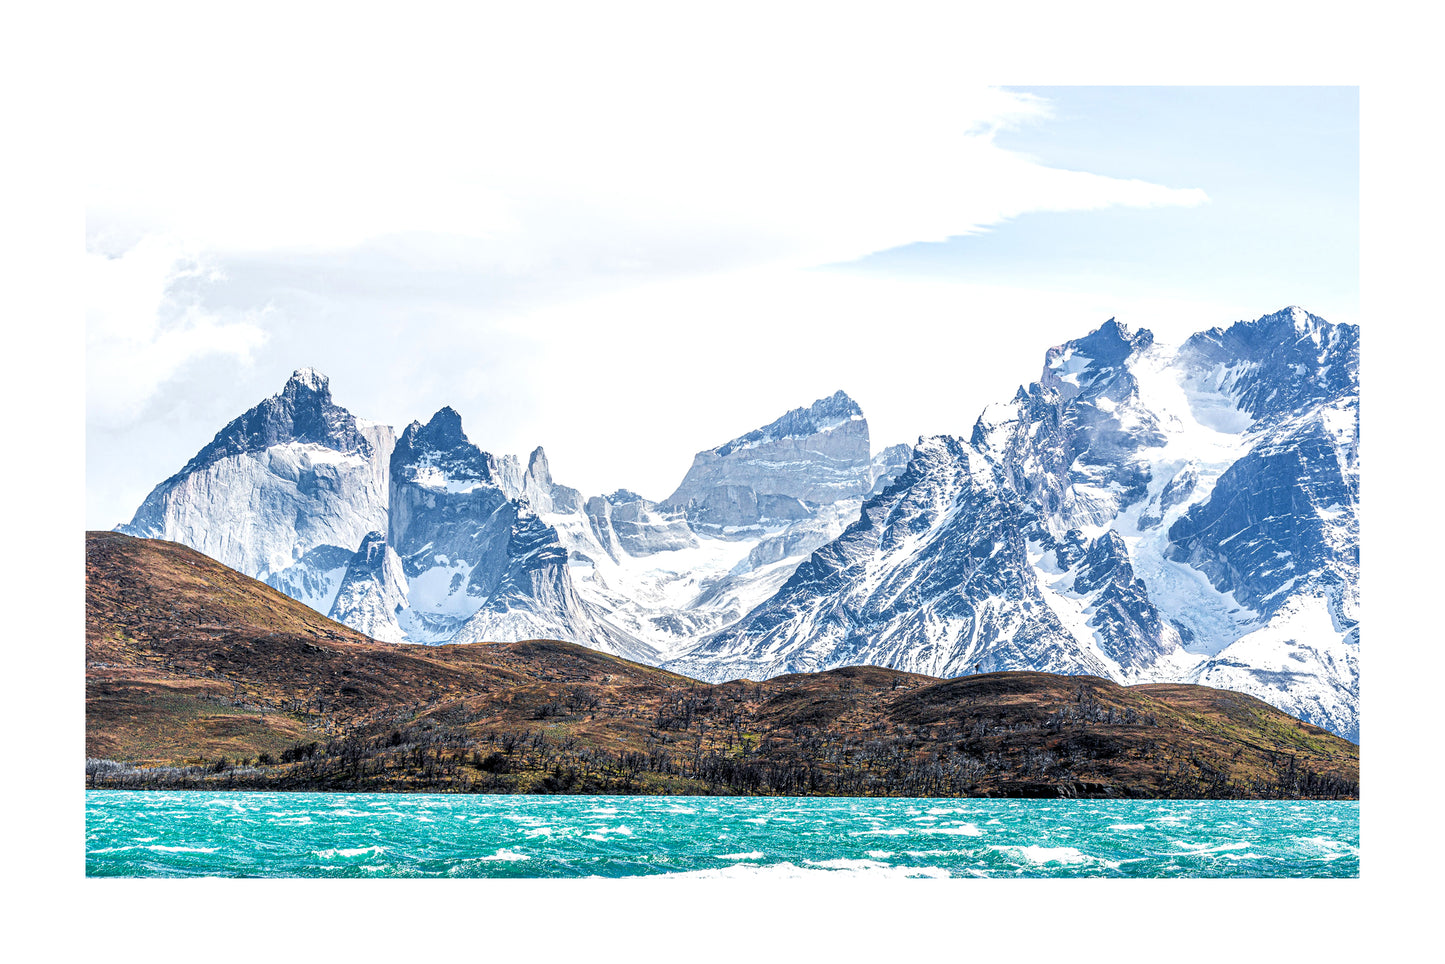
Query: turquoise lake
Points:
[190, 834]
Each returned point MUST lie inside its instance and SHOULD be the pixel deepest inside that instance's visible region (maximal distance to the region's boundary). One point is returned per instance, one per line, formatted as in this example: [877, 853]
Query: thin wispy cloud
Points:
[751, 178]
[598, 144]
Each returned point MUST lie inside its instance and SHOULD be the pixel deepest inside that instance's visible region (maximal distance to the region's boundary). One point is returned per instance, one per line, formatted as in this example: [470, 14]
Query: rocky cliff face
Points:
[479, 562]
[817, 455]
[1276, 367]
[285, 493]
[1278, 532]
[450, 524]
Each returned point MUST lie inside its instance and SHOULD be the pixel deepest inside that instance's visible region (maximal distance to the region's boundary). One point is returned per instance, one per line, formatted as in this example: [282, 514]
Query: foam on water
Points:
[1047, 855]
[505, 854]
[186, 834]
[348, 852]
[788, 871]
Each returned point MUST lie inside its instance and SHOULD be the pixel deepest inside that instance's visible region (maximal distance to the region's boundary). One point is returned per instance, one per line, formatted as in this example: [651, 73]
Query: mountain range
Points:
[1141, 512]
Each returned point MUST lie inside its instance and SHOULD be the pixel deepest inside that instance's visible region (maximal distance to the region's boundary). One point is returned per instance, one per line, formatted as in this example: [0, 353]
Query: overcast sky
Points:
[630, 258]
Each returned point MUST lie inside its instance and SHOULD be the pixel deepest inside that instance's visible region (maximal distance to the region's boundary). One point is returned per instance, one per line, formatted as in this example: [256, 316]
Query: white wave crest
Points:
[348, 852]
[962, 830]
[1048, 855]
[789, 871]
[505, 854]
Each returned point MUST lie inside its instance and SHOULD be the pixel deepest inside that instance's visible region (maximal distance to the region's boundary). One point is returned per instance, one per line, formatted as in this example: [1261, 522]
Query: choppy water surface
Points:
[166, 834]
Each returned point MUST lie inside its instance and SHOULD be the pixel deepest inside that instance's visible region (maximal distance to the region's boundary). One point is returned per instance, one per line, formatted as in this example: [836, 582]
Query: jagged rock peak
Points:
[301, 412]
[823, 414]
[1094, 363]
[1266, 329]
[1299, 319]
[309, 379]
[837, 405]
[538, 467]
[372, 551]
[819, 455]
[444, 430]
[1109, 344]
[1278, 363]
[1306, 325]
[439, 450]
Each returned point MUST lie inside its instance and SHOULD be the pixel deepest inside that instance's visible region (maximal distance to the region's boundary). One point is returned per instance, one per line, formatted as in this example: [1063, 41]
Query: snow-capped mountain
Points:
[479, 563]
[815, 455]
[456, 544]
[1141, 512]
[286, 493]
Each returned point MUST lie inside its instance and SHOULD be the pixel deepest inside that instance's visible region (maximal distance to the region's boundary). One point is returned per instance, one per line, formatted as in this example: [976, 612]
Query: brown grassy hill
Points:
[197, 676]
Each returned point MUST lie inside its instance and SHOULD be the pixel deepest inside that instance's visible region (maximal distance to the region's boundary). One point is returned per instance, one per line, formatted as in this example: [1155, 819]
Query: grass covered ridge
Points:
[198, 676]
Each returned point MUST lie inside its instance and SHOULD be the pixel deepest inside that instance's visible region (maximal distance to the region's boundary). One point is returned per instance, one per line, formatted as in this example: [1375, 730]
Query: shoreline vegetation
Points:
[200, 678]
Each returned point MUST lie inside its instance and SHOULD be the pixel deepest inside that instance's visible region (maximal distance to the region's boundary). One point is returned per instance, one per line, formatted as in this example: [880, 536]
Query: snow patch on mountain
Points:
[1304, 661]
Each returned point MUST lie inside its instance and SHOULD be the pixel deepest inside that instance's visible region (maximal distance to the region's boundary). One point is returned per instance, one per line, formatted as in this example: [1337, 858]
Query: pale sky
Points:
[573, 253]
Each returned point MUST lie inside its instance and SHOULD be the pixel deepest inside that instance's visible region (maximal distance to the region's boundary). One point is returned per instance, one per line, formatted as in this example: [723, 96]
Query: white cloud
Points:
[145, 320]
[583, 141]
